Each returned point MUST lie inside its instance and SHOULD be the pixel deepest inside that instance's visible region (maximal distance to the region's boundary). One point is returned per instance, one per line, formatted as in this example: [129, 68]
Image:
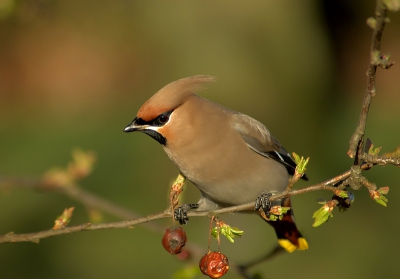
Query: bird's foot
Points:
[180, 213]
[263, 202]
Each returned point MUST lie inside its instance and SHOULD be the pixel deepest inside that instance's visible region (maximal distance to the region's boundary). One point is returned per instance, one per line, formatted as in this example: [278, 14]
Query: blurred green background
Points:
[74, 73]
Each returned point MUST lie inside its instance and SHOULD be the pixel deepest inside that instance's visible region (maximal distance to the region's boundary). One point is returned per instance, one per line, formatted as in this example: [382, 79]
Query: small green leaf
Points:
[237, 232]
[279, 210]
[320, 219]
[300, 162]
[378, 196]
[214, 232]
[229, 238]
[381, 202]
[285, 209]
[229, 232]
[322, 214]
[273, 217]
[341, 193]
[374, 151]
[296, 158]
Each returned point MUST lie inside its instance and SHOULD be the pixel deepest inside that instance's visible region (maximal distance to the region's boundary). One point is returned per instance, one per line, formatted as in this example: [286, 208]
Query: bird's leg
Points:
[262, 202]
[180, 213]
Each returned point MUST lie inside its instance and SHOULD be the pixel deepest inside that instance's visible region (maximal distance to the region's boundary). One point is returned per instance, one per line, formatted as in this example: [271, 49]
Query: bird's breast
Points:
[227, 170]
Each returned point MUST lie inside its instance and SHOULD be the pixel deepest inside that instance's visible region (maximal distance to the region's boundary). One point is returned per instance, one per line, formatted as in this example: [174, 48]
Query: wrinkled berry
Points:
[174, 239]
[214, 264]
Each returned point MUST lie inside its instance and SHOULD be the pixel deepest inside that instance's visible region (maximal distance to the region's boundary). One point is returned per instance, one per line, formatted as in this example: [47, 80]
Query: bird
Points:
[230, 157]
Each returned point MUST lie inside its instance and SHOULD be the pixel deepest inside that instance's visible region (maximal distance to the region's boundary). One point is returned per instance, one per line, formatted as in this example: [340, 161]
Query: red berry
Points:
[174, 239]
[214, 264]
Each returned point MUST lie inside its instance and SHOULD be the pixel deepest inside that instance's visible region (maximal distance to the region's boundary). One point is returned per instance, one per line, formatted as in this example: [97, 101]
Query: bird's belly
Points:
[240, 190]
[228, 176]
[242, 180]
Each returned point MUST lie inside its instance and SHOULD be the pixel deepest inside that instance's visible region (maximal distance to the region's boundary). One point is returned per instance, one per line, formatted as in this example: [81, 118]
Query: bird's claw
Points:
[180, 213]
[263, 202]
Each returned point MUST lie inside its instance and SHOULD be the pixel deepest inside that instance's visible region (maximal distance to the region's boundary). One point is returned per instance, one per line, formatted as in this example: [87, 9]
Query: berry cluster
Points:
[212, 264]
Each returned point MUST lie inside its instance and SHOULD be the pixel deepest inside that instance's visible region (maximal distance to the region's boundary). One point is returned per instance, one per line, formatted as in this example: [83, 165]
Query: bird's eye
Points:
[163, 118]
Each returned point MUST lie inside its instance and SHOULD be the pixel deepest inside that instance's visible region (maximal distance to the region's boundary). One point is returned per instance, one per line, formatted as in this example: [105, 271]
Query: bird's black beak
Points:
[133, 126]
[139, 125]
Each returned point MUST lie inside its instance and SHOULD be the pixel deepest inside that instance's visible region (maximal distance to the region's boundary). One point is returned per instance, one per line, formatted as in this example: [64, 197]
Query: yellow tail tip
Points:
[287, 245]
[290, 247]
[303, 244]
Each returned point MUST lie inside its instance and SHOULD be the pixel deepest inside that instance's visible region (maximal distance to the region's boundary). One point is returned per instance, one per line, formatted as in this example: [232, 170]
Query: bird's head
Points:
[158, 114]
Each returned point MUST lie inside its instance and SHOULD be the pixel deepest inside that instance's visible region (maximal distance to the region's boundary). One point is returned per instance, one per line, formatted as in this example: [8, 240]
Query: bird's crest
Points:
[172, 96]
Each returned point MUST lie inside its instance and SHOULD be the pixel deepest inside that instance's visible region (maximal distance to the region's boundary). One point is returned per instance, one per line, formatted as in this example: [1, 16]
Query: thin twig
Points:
[356, 141]
[78, 194]
[35, 237]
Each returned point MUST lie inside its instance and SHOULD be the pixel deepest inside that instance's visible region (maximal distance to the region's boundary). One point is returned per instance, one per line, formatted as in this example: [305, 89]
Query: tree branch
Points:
[378, 24]
[75, 192]
[35, 237]
[98, 202]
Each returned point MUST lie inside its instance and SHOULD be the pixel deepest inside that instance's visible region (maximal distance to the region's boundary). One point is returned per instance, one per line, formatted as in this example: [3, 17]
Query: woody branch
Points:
[376, 59]
[39, 185]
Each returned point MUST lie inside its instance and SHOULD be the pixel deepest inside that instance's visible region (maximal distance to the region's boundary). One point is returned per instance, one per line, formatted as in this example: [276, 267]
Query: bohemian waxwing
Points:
[230, 157]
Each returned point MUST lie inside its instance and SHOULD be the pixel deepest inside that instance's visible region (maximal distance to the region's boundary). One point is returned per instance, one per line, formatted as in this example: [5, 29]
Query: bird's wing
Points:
[260, 140]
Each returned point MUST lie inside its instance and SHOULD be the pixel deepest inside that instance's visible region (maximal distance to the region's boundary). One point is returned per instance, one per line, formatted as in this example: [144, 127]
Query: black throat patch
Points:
[156, 135]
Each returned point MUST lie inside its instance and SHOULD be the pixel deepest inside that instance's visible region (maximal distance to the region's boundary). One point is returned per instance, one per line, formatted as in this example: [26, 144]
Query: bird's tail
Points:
[288, 235]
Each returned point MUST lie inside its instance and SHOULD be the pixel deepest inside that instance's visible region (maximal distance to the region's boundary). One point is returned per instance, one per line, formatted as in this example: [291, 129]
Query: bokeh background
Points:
[74, 73]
